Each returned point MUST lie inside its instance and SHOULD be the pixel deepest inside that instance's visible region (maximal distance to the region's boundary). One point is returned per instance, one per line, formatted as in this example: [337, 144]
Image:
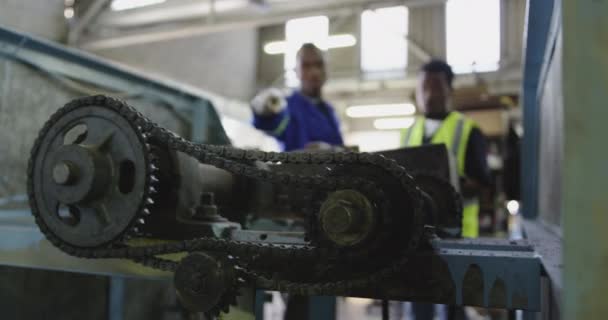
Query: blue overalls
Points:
[302, 122]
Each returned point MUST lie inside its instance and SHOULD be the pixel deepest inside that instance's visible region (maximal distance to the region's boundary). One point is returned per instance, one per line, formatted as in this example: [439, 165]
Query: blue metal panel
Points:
[537, 30]
[260, 298]
[322, 308]
[116, 295]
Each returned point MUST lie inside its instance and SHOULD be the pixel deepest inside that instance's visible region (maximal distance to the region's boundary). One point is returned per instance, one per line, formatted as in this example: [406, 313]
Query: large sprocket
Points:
[90, 175]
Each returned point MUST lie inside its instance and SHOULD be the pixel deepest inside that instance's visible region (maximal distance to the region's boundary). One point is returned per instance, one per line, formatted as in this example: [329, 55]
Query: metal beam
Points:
[81, 24]
[418, 50]
[538, 21]
[252, 20]
[197, 10]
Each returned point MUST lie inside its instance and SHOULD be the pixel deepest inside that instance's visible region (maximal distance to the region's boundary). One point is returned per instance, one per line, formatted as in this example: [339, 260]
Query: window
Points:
[383, 39]
[473, 35]
[298, 32]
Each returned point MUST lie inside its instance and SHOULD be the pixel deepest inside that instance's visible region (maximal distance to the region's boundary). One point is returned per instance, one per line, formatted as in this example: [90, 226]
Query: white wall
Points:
[223, 63]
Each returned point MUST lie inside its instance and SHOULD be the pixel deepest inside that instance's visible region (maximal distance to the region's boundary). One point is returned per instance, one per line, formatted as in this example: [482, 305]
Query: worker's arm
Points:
[476, 167]
[270, 112]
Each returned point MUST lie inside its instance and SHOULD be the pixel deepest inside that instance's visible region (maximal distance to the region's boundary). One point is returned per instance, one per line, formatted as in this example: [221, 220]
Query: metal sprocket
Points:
[90, 176]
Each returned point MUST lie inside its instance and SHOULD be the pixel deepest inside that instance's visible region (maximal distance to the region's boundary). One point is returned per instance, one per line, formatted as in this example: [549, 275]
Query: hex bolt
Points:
[339, 218]
[346, 218]
[207, 210]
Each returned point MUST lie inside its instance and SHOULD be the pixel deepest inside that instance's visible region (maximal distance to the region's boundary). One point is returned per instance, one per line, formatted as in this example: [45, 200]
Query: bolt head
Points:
[63, 173]
[338, 218]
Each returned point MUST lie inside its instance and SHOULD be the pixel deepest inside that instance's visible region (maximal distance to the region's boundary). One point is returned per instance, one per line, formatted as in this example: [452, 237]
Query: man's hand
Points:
[268, 102]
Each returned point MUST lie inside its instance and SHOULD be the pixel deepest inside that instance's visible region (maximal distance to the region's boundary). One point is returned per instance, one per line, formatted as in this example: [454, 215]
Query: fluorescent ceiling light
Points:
[119, 5]
[331, 42]
[381, 110]
[338, 41]
[393, 123]
[275, 47]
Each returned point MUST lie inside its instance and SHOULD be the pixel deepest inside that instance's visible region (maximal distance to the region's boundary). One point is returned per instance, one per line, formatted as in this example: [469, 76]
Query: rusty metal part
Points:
[347, 218]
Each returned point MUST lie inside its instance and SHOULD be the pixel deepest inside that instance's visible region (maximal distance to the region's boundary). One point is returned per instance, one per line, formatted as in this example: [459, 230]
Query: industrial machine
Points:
[106, 182]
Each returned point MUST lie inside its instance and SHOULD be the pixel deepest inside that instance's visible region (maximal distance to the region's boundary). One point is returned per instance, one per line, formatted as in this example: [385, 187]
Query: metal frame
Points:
[504, 273]
[508, 273]
[538, 21]
[543, 24]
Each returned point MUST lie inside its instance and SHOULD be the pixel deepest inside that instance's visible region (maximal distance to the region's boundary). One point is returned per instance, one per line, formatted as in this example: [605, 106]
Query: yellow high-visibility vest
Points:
[454, 132]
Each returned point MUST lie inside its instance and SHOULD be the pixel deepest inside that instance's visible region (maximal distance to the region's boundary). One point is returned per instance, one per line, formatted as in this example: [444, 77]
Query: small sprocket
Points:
[206, 283]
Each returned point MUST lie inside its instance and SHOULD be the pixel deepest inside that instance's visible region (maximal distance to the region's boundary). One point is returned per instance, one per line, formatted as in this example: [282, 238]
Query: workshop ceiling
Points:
[125, 22]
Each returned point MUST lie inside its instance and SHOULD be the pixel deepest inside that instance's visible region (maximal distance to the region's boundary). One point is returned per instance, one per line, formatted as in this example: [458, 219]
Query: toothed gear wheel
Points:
[90, 175]
[206, 283]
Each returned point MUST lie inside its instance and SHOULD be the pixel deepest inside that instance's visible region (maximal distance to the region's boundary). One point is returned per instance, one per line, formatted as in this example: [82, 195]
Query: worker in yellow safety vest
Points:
[462, 137]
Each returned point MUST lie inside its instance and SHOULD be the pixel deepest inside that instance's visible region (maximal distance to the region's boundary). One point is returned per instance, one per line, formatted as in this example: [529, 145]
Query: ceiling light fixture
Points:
[381, 110]
[393, 123]
[120, 5]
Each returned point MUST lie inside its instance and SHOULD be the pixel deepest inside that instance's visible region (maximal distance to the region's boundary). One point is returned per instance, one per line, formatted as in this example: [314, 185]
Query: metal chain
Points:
[235, 161]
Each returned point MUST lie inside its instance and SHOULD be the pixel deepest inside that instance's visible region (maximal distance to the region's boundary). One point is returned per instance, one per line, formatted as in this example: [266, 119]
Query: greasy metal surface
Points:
[280, 237]
[503, 245]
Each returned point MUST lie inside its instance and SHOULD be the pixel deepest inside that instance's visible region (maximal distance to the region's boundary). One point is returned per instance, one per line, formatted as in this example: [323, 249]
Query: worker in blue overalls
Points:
[302, 120]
